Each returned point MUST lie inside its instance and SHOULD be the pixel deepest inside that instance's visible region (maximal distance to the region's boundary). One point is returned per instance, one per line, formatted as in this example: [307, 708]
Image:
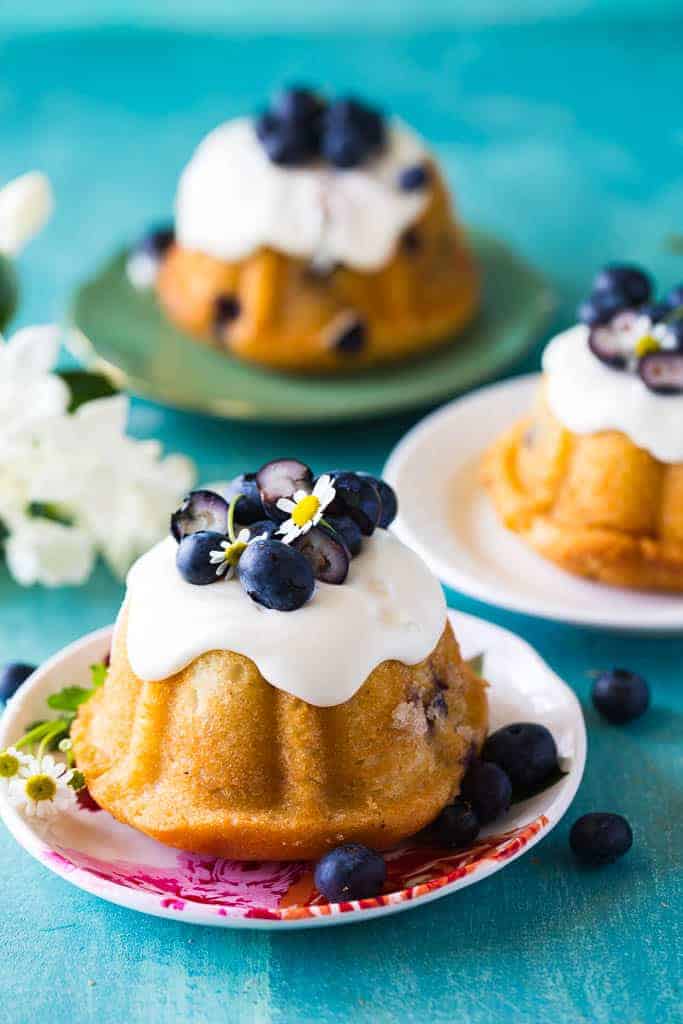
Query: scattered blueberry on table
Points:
[12, 675]
[621, 696]
[600, 838]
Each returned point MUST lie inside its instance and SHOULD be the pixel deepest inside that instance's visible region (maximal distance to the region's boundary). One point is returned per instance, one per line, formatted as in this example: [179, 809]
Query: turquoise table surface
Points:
[567, 139]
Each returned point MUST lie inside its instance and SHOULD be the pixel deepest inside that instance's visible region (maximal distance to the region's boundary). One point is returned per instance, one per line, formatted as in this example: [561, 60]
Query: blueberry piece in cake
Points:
[276, 575]
[626, 280]
[201, 510]
[282, 478]
[525, 751]
[193, 558]
[348, 531]
[413, 178]
[621, 696]
[227, 308]
[488, 789]
[600, 838]
[249, 508]
[456, 827]
[357, 497]
[351, 339]
[327, 553]
[350, 872]
[12, 675]
[146, 255]
[662, 372]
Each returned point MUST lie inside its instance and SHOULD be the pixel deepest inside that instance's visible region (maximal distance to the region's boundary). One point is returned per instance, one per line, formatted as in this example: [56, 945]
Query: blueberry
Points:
[662, 372]
[388, 498]
[352, 133]
[656, 311]
[456, 827]
[12, 675]
[600, 838]
[606, 346]
[348, 531]
[201, 510]
[350, 872]
[487, 789]
[674, 298]
[249, 508]
[413, 178]
[411, 240]
[193, 557]
[226, 309]
[282, 478]
[156, 242]
[628, 281]
[327, 553]
[526, 751]
[620, 695]
[357, 497]
[351, 339]
[298, 104]
[267, 526]
[675, 329]
[287, 141]
[276, 575]
[599, 309]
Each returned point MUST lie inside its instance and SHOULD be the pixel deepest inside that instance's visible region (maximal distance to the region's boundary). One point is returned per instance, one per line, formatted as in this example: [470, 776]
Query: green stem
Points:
[33, 735]
[231, 517]
[60, 729]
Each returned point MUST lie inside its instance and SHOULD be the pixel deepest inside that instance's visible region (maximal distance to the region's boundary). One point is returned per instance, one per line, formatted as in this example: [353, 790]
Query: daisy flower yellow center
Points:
[305, 510]
[9, 765]
[647, 344]
[233, 553]
[41, 787]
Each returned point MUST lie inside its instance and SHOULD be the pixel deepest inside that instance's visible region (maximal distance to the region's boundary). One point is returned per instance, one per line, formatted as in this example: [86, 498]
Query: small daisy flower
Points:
[226, 558]
[11, 761]
[306, 510]
[41, 788]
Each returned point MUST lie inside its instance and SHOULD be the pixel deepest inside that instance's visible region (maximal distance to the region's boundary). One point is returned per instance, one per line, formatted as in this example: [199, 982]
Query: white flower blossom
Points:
[11, 762]
[306, 510]
[229, 553]
[41, 788]
[26, 204]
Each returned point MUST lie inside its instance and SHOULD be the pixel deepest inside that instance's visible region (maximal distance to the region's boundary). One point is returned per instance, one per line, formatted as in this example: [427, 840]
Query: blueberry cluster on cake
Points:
[284, 678]
[316, 237]
[593, 478]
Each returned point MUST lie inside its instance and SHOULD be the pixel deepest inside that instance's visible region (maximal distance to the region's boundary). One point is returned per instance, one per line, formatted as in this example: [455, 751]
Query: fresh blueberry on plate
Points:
[348, 531]
[12, 675]
[456, 827]
[600, 838]
[487, 788]
[249, 509]
[662, 372]
[276, 575]
[356, 496]
[327, 553]
[350, 872]
[201, 510]
[526, 752]
[624, 279]
[620, 695]
[387, 496]
[282, 478]
[193, 557]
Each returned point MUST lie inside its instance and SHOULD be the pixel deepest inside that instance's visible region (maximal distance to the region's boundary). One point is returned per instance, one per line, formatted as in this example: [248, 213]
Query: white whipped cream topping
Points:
[390, 607]
[232, 200]
[587, 397]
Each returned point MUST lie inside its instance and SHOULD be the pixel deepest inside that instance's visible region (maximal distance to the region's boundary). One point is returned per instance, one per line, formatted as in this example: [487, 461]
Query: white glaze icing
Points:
[232, 199]
[587, 396]
[390, 607]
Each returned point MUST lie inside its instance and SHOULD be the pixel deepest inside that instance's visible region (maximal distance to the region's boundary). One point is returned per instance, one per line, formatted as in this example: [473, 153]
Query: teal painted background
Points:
[565, 136]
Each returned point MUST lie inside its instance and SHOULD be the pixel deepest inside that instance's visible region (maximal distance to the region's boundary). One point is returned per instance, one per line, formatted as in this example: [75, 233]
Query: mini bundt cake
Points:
[316, 238]
[593, 479]
[272, 694]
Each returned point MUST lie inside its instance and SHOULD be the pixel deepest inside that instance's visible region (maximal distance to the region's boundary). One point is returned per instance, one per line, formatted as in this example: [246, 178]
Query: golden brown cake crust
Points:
[289, 315]
[596, 505]
[218, 761]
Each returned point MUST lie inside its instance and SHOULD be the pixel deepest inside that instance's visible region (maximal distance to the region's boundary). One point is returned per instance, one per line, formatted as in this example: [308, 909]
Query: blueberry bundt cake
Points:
[318, 237]
[283, 677]
[593, 479]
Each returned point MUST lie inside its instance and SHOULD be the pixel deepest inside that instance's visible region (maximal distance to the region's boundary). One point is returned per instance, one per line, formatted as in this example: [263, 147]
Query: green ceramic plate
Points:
[9, 291]
[128, 336]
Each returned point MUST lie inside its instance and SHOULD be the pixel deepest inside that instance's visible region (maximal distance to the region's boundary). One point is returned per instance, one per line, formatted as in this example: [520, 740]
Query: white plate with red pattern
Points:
[446, 516]
[92, 851]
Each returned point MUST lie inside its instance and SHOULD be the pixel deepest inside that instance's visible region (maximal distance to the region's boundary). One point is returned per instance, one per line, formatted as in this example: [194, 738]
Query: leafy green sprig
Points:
[55, 733]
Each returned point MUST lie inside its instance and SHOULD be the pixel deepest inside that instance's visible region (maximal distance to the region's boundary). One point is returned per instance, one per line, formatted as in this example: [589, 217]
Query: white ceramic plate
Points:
[445, 515]
[94, 852]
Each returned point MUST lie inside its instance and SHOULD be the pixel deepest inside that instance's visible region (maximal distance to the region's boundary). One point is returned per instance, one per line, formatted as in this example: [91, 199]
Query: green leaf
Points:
[68, 699]
[49, 510]
[98, 673]
[86, 387]
[476, 663]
